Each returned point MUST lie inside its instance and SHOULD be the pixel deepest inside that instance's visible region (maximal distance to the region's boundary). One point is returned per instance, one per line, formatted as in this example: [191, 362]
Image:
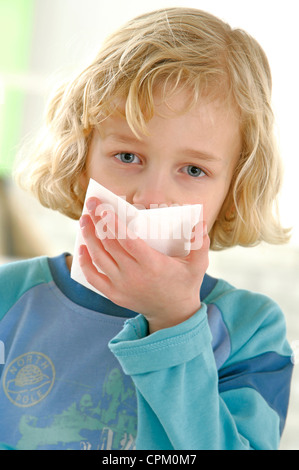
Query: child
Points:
[175, 109]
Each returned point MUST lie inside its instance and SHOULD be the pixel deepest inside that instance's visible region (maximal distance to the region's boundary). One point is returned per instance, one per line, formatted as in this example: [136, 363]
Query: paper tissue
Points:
[166, 229]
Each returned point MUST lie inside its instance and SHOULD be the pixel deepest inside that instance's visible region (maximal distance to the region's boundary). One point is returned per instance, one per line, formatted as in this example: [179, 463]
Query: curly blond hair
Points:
[181, 47]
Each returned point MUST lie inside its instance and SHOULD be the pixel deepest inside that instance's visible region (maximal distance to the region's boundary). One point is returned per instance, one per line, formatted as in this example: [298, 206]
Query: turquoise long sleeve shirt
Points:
[82, 373]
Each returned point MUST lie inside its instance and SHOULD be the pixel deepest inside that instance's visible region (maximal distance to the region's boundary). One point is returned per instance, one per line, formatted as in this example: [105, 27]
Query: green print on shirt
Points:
[109, 423]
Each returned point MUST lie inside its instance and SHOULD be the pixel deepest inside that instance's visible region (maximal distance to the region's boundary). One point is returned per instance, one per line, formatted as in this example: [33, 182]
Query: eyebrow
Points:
[188, 152]
[201, 155]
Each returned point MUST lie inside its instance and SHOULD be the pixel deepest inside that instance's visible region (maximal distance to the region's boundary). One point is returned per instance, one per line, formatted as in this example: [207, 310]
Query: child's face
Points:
[187, 158]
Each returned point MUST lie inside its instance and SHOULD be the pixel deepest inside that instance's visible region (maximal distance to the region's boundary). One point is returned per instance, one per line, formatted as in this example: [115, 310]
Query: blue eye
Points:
[127, 157]
[194, 171]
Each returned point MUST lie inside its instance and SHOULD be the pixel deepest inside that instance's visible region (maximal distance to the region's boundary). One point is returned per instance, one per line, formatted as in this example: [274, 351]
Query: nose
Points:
[154, 190]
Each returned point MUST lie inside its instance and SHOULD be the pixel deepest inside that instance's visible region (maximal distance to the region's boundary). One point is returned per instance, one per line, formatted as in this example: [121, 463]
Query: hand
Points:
[164, 289]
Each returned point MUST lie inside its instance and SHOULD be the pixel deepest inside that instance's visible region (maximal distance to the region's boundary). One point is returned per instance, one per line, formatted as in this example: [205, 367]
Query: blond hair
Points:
[182, 47]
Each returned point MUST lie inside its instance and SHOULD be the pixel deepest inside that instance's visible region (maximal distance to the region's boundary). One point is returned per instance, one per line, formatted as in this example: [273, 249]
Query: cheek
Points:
[96, 171]
[211, 209]
[107, 179]
[210, 217]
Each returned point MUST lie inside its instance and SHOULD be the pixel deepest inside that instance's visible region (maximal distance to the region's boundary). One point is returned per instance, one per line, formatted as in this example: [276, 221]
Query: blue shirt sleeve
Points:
[185, 402]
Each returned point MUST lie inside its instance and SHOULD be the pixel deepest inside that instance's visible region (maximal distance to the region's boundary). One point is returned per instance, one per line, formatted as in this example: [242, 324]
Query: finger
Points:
[96, 210]
[99, 213]
[199, 252]
[100, 257]
[133, 245]
[98, 280]
[92, 203]
[117, 238]
[197, 236]
[111, 236]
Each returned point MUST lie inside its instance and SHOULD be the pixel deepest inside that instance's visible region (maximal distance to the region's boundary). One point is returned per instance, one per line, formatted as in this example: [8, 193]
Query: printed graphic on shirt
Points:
[89, 423]
[28, 379]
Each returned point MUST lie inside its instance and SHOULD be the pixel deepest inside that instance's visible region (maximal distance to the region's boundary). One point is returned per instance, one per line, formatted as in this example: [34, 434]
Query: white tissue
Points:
[166, 229]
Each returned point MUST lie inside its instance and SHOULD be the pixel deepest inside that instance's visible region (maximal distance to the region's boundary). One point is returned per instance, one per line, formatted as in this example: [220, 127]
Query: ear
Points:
[231, 213]
[228, 209]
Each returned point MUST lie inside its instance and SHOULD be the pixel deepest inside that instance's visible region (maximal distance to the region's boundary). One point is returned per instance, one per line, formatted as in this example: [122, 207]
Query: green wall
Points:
[16, 26]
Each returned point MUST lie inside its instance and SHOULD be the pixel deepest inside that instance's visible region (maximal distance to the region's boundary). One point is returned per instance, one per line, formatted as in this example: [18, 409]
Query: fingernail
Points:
[91, 204]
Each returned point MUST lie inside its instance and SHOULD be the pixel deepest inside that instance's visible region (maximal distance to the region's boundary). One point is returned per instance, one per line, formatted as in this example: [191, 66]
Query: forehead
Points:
[209, 120]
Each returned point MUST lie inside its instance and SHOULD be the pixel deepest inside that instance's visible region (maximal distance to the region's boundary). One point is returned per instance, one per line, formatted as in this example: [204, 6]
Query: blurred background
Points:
[42, 42]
